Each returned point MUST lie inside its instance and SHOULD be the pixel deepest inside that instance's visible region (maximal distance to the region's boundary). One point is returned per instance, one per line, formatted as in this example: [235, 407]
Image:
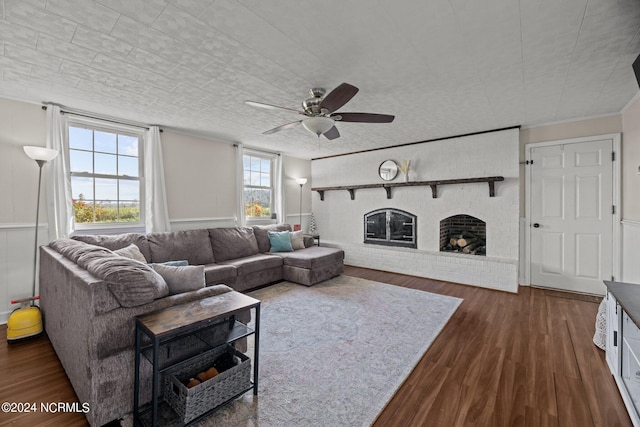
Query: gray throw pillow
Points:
[132, 252]
[297, 240]
[183, 278]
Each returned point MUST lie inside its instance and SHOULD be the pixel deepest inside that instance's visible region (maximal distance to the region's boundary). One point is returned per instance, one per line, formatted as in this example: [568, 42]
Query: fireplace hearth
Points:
[464, 234]
[390, 227]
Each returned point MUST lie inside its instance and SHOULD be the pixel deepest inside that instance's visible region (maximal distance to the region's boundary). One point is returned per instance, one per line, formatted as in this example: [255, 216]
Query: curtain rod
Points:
[88, 116]
[258, 150]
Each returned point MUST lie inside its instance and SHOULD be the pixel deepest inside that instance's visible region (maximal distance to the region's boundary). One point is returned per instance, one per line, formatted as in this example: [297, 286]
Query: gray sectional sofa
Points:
[90, 296]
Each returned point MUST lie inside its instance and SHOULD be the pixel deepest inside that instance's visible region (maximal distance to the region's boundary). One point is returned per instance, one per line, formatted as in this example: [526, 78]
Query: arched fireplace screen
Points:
[391, 227]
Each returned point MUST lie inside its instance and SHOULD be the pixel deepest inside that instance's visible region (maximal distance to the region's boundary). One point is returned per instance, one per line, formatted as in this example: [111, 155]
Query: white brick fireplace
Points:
[340, 219]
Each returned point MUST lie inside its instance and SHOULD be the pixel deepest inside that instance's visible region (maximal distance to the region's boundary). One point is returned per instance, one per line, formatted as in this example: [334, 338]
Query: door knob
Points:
[536, 225]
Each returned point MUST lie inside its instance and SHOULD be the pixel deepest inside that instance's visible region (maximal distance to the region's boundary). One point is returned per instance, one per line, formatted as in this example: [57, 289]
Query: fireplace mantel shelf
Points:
[491, 180]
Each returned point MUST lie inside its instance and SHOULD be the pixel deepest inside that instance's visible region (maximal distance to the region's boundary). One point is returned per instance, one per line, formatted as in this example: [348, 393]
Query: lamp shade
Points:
[301, 181]
[40, 153]
[318, 125]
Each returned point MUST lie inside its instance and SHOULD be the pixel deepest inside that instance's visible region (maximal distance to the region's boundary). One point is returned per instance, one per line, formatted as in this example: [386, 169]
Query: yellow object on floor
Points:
[24, 322]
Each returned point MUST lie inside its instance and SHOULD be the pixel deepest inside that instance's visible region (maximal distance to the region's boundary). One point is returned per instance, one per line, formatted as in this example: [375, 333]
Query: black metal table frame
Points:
[187, 329]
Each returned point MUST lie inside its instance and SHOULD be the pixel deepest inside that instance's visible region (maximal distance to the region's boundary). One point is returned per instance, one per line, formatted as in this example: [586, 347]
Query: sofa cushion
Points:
[132, 283]
[254, 263]
[233, 242]
[217, 273]
[262, 234]
[313, 257]
[192, 245]
[117, 241]
[132, 252]
[74, 250]
[181, 279]
[280, 241]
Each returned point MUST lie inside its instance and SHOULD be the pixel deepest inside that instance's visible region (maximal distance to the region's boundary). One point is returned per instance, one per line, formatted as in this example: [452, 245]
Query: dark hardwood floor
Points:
[502, 360]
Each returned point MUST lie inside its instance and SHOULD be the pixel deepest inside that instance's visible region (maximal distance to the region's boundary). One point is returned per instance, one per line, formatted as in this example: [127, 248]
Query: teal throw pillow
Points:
[180, 263]
[280, 241]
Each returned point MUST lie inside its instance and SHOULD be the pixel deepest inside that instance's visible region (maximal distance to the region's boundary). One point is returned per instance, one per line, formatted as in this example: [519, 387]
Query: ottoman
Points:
[311, 265]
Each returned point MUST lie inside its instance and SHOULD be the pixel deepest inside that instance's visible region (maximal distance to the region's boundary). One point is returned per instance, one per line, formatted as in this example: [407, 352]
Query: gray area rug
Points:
[334, 354]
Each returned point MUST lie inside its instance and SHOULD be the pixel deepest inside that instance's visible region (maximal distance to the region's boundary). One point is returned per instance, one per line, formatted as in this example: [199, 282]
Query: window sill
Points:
[83, 229]
[261, 221]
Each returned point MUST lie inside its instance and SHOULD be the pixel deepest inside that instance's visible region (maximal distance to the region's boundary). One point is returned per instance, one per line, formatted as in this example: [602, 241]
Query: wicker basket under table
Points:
[190, 403]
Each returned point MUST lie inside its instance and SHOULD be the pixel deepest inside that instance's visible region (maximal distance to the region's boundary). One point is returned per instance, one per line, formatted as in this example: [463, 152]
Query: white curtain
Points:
[279, 202]
[241, 220]
[156, 211]
[59, 202]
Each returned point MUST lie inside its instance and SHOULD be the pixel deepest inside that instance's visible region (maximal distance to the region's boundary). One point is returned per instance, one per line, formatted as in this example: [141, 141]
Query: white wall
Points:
[631, 162]
[293, 169]
[200, 178]
[493, 154]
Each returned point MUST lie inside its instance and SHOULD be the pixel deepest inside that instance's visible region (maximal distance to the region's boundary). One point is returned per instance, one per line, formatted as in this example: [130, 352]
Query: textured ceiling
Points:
[442, 67]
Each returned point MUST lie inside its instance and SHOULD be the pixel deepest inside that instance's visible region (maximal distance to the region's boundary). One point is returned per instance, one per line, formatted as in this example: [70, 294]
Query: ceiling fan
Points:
[320, 112]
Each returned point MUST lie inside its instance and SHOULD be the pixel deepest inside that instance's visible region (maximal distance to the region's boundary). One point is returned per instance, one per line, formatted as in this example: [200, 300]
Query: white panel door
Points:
[571, 216]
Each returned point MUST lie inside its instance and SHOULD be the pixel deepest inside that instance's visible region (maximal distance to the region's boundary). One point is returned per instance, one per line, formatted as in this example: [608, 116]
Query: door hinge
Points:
[613, 156]
[613, 209]
[615, 338]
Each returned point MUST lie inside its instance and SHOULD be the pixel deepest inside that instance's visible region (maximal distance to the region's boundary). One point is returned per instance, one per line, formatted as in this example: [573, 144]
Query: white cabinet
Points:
[623, 346]
[613, 334]
[630, 365]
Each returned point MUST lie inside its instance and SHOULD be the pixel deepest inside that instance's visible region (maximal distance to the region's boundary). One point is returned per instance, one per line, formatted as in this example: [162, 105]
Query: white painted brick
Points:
[340, 219]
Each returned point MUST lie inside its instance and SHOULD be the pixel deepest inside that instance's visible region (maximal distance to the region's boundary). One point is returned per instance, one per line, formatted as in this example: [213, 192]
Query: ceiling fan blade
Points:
[271, 107]
[283, 127]
[332, 133]
[338, 97]
[364, 117]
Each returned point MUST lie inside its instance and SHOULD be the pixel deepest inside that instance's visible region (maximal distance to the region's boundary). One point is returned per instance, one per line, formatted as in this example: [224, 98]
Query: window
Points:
[106, 172]
[258, 185]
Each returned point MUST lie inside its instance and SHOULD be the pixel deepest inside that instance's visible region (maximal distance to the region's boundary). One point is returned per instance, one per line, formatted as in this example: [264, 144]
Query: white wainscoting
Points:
[196, 223]
[16, 263]
[630, 257]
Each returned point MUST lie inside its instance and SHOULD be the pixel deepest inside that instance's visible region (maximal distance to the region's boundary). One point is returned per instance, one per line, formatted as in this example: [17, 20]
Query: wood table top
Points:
[172, 319]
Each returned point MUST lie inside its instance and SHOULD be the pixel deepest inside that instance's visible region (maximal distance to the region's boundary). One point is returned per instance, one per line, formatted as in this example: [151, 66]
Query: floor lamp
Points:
[301, 182]
[26, 321]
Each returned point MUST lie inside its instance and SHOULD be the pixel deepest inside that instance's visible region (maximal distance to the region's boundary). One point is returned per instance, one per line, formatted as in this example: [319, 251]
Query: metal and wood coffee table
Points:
[181, 322]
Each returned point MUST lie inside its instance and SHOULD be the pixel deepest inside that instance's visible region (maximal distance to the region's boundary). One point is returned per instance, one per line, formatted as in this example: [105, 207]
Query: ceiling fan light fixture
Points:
[318, 125]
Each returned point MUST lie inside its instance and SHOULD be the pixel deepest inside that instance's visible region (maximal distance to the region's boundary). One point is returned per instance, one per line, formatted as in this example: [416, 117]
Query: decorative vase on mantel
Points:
[405, 167]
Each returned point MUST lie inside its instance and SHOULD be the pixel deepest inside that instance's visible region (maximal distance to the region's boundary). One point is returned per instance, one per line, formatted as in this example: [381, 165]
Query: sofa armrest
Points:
[114, 331]
[309, 241]
[59, 275]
